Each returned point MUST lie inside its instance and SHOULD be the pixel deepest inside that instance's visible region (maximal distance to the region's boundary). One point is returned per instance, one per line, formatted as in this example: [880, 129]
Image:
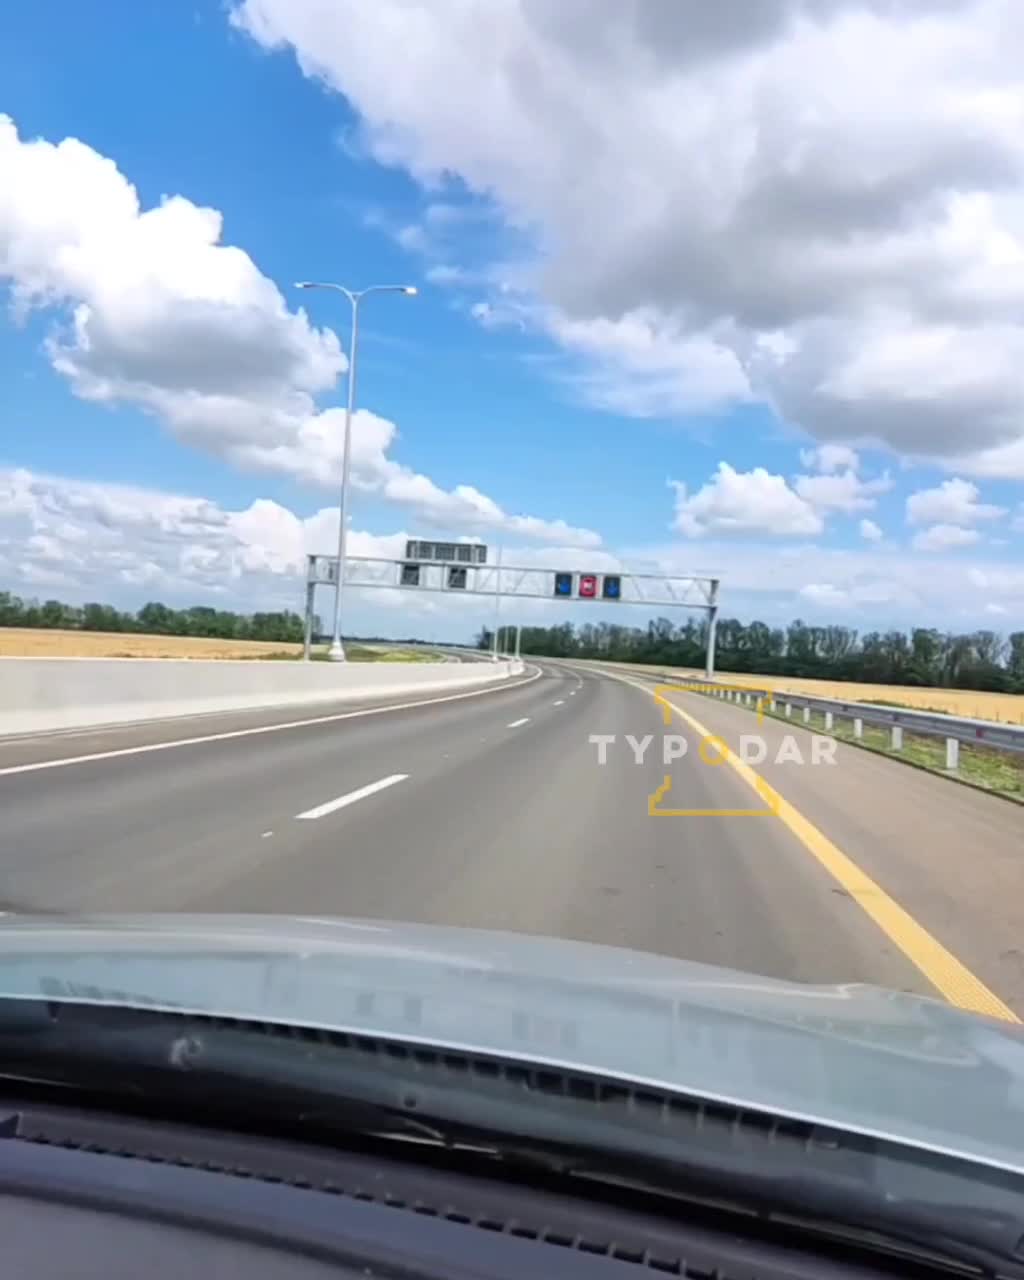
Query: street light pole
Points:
[497, 608]
[336, 653]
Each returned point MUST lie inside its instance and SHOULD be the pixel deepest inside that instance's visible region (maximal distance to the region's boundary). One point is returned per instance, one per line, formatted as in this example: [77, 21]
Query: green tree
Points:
[1015, 661]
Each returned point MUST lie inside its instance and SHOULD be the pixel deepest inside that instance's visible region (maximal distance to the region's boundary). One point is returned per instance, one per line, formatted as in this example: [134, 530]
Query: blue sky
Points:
[760, 392]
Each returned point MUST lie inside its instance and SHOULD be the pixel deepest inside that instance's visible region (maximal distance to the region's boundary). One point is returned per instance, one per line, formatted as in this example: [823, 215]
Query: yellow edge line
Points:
[942, 969]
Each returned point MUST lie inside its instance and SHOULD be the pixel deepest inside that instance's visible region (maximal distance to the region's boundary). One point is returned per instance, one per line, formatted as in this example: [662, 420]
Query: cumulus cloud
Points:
[841, 491]
[831, 190]
[122, 542]
[952, 502]
[744, 502]
[55, 530]
[824, 593]
[161, 314]
[870, 531]
[863, 596]
[125, 544]
[1007, 583]
[765, 578]
[829, 458]
[641, 366]
[944, 537]
[107, 537]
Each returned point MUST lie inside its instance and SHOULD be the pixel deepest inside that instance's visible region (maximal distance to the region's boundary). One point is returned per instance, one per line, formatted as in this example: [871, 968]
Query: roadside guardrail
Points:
[956, 730]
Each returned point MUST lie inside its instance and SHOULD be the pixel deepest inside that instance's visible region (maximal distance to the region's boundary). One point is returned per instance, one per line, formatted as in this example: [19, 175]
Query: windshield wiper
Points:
[341, 1086]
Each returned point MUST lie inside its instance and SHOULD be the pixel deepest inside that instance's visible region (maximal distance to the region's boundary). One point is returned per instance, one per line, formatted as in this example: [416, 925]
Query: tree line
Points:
[152, 619]
[921, 656]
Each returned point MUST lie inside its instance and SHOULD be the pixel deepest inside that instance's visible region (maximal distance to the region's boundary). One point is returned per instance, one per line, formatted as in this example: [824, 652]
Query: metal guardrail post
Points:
[992, 735]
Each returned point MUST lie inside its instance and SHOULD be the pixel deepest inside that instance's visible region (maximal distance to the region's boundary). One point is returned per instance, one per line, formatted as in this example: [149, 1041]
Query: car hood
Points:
[861, 1058]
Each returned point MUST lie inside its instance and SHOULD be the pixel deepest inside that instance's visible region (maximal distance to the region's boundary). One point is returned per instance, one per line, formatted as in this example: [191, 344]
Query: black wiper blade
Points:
[334, 1085]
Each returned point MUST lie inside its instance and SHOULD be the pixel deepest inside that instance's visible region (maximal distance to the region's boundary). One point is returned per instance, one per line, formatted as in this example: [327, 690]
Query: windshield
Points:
[510, 536]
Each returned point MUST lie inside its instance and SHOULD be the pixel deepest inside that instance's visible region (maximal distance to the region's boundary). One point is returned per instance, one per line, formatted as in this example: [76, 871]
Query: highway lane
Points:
[948, 853]
[18, 750]
[490, 811]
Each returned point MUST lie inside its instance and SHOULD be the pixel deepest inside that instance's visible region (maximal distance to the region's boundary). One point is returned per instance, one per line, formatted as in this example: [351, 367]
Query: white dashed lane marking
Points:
[350, 797]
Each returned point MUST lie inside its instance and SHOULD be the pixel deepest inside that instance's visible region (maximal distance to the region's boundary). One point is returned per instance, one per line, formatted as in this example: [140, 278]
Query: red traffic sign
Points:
[588, 585]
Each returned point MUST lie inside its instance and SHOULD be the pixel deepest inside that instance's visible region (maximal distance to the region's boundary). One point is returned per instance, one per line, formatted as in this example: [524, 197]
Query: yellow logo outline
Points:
[770, 797]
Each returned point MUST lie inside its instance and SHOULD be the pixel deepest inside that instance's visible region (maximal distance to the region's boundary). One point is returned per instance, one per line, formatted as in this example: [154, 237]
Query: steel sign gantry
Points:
[653, 590]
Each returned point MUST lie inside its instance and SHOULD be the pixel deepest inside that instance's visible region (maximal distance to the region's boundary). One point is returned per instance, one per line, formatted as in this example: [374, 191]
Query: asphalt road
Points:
[493, 810]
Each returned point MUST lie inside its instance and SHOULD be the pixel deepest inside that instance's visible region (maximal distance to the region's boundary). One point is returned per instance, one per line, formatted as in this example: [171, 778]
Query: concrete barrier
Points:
[38, 695]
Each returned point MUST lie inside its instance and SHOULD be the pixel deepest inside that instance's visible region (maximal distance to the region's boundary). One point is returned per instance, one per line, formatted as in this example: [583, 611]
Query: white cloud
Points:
[162, 314]
[744, 502]
[833, 189]
[118, 543]
[887, 585]
[944, 537]
[952, 502]
[500, 314]
[448, 273]
[997, 580]
[841, 491]
[870, 531]
[824, 593]
[829, 458]
[165, 316]
[862, 596]
[642, 367]
[124, 545]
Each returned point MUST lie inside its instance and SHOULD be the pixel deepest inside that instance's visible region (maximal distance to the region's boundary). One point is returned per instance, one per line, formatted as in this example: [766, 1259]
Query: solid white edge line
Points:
[256, 729]
[351, 797]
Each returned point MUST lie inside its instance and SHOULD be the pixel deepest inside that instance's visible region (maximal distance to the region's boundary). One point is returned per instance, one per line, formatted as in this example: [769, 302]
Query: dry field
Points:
[1008, 708]
[27, 642]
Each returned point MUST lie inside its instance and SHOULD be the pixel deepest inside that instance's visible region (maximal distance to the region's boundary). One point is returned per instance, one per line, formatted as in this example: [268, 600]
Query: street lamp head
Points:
[303, 284]
[410, 290]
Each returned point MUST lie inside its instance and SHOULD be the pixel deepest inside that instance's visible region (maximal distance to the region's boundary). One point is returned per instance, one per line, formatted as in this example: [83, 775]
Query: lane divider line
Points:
[943, 970]
[559, 703]
[516, 723]
[350, 797]
[256, 729]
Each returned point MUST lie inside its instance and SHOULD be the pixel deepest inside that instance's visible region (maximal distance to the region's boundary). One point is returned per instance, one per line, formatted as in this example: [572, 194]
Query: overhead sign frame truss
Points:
[516, 582]
[666, 590]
